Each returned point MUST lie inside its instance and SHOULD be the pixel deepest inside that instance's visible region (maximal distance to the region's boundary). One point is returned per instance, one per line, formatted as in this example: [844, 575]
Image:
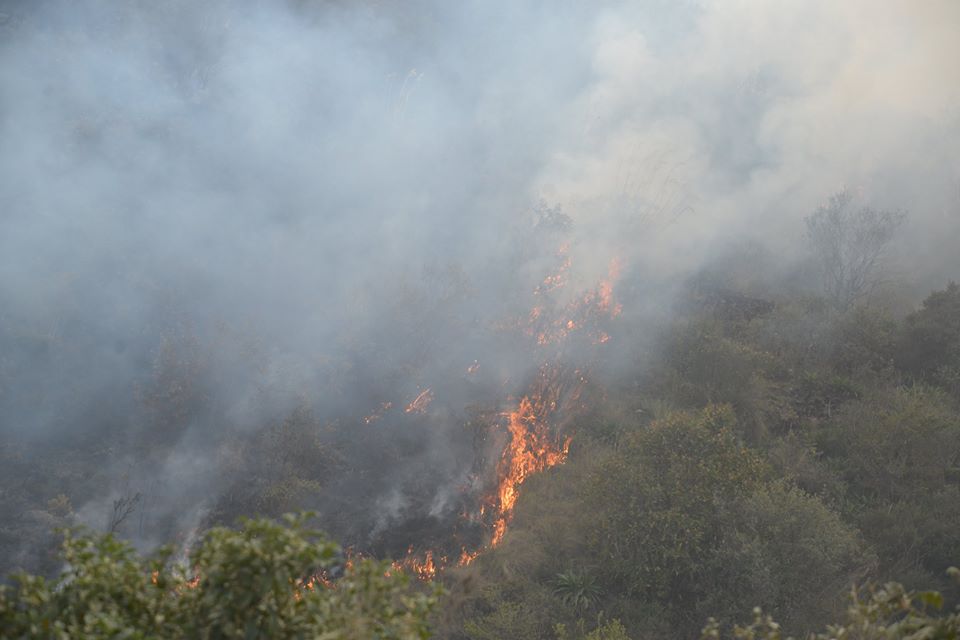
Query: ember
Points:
[421, 402]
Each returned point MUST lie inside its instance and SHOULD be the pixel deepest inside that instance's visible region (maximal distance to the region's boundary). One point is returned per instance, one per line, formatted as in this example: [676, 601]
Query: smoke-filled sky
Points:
[319, 194]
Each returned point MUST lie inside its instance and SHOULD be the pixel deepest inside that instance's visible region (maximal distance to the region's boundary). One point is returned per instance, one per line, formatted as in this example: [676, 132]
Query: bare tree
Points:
[122, 508]
[850, 245]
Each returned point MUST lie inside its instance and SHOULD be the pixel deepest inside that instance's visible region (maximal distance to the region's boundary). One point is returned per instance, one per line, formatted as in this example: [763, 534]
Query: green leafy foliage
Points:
[929, 345]
[885, 612]
[818, 396]
[612, 630]
[576, 589]
[897, 452]
[251, 583]
[508, 619]
[689, 515]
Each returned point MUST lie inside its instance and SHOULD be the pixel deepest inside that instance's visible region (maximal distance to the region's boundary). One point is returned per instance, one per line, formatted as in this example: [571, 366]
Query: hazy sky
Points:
[308, 188]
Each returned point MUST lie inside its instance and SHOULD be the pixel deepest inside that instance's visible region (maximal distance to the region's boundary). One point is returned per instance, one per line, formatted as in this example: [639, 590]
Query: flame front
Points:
[533, 426]
[421, 402]
[532, 448]
[424, 568]
[376, 415]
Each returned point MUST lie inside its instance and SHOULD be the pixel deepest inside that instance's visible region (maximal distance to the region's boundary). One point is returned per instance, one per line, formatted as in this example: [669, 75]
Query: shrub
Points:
[250, 583]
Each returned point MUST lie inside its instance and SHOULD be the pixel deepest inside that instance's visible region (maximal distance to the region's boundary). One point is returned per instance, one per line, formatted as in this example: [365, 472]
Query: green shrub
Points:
[251, 583]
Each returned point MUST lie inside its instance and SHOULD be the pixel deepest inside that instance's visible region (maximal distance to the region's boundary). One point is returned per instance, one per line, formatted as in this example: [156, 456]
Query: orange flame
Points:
[605, 291]
[466, 557]
[421, 402]
[558, 279]
[376, 415]
[424, 569]
[532, 447]
[551, 324]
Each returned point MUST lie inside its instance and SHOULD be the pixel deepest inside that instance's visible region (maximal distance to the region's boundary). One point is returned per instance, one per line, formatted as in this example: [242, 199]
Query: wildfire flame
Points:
[424, 568]
[466, 557]
[532, 447]
[376, 415]
[557, 279]
[605, 290]
[534, 442]
[421, 402]
[551, 323]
